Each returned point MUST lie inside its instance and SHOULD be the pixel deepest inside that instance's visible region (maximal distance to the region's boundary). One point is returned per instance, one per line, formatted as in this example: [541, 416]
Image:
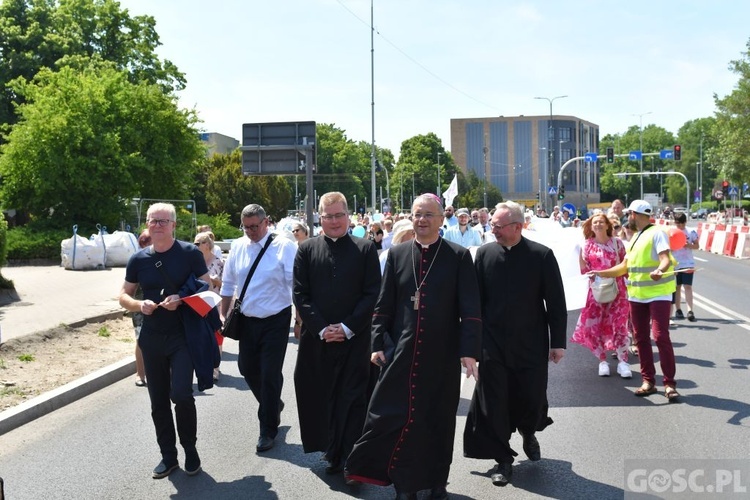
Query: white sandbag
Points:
[80, 253]
[117, 247]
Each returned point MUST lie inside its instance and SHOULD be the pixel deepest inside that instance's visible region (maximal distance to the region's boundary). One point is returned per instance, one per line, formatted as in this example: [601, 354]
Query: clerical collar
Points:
[334, 239]
[425, 246]
[507, 248]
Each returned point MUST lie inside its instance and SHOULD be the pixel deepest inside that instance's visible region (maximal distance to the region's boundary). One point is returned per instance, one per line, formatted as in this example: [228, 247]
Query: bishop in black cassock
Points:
[336, 282]
[426, 324]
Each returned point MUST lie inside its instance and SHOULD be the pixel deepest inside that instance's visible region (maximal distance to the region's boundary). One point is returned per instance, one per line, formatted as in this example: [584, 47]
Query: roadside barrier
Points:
[721, 239]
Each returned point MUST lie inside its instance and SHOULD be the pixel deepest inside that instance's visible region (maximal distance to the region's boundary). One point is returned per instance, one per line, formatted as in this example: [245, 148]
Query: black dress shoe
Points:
[400, 495]
[531, 447]
[164, 468]
[192, 462]
[335, 467]
[264, 443]
[439, 493]
[503, 474]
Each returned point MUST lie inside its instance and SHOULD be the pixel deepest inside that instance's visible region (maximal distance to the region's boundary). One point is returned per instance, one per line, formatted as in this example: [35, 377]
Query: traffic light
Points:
[677, 152]
[610, 155]
[537, 195]
[561, 192]
[725, 188]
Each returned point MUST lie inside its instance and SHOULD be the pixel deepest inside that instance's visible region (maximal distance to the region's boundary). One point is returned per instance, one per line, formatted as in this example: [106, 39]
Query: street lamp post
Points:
[550, 138]
[438, 184]
[640, 142]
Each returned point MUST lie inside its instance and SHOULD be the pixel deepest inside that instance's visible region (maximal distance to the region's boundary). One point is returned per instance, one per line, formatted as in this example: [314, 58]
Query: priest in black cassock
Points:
[336, 284]
[524, 319]
[426, 325]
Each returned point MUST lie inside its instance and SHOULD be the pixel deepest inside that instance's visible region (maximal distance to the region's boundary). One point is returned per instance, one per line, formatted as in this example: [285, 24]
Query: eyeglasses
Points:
[159, 222]
[252, 227]
[501, 226]
[428, 216]
[337, 216]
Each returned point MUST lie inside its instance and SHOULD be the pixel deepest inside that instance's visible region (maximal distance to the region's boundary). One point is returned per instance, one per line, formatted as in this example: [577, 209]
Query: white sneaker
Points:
[624, 370]
[603, 369]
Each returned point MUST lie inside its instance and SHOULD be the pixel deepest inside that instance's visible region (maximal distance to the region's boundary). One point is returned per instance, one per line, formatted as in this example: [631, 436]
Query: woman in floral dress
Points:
[603, 327]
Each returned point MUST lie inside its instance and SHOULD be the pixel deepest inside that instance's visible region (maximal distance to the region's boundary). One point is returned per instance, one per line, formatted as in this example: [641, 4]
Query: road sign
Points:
[552, 190]
[570, 208]
[666, 154]
[590, 157]
[733, 191]
[718, 194]
[635, 155]
[276, 148]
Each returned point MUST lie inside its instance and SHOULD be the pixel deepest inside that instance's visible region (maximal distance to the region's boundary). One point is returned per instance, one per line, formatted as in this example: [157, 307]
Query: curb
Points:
[48, 402]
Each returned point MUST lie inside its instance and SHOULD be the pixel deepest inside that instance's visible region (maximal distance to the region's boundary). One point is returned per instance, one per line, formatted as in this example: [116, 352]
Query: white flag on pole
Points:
[451, 192]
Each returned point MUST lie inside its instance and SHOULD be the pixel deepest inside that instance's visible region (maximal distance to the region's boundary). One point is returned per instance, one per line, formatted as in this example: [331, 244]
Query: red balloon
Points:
[677, 238]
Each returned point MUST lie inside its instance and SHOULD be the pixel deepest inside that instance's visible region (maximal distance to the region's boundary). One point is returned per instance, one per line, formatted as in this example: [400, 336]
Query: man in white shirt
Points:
[462, 233]
[266, 313]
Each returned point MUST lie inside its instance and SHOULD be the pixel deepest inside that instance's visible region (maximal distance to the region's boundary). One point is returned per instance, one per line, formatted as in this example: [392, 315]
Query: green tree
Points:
[418, 167]
[695, 137]
[89, 140]
[731, 156]
[229, 191]
[651, 140]
[36, 34]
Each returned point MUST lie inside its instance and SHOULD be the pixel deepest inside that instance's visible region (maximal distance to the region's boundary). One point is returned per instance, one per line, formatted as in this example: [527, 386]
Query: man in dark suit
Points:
[524, 318]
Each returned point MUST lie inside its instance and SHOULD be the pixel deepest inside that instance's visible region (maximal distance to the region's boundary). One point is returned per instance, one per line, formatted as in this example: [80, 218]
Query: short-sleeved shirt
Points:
[178, 263]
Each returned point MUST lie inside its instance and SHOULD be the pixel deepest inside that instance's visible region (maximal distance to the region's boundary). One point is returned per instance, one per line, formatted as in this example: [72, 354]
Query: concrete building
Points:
[218, 143]
[522, 156]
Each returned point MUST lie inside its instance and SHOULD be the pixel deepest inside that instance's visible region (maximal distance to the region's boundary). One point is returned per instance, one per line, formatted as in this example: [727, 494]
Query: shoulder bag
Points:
[231, 328]
[604, 290]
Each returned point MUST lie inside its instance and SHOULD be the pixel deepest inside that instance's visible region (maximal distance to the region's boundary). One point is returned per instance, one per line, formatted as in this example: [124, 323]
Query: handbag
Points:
[231, 328]
[605, 290]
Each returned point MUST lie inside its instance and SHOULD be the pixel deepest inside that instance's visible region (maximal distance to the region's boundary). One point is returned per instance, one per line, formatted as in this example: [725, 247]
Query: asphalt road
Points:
[103, 446]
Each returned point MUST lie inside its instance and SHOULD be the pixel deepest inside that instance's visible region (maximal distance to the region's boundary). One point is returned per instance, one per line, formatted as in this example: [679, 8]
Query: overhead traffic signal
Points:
[677, 152]
[725, 188]
[561, 192]
[610, 155]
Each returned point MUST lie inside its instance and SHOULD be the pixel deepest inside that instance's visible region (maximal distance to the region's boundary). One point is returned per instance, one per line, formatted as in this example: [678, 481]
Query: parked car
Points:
[701, 213]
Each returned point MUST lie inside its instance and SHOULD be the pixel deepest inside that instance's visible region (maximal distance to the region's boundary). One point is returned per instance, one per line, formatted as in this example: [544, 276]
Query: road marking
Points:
[722, 312]
[698, 258]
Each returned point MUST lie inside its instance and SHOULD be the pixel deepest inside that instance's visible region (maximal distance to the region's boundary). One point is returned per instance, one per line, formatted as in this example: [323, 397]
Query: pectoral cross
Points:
[415, 299]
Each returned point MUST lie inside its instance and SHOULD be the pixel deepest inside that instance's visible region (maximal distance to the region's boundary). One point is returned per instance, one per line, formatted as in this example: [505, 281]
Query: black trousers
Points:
[263, 344]
[169, 371]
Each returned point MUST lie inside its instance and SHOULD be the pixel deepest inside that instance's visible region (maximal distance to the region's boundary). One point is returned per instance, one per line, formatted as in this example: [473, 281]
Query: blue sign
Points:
[733, 190]
[590, 157]
[552, 190]
[666, 154]
[696, 199]
[635, 155]
[570, 208]
[745, 186]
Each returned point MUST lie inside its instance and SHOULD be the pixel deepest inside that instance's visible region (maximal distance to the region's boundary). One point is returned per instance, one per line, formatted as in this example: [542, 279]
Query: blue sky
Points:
[252, 61]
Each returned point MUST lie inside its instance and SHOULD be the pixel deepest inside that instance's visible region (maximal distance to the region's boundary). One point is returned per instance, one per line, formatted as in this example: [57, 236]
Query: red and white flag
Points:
[203, 302]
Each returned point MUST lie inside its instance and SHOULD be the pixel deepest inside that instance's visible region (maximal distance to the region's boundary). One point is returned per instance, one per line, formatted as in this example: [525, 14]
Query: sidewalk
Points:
[51, 295]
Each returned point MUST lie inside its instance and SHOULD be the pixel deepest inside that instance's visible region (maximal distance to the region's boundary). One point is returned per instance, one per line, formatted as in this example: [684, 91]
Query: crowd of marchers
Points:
[388, 318]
